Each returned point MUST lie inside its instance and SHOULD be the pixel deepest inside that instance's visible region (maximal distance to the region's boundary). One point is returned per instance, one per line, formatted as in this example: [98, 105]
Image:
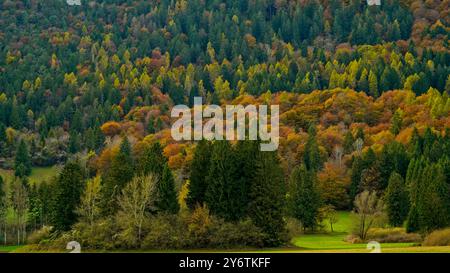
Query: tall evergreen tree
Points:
[267, 194]
[220, 195]
[199, 170]
[304, 198]
[154, 162]
[397, 201]
[22, 163]
[433, 199]
[166, 194]
[311, 156]
[117, 176]
[246, 160]
[68, 192]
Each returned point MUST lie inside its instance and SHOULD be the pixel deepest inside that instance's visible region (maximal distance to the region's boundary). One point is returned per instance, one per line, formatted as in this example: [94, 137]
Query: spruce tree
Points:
[355, 177]
[311, 156]
[154, 162]
[304, 199]
[397, 201]
[246, 160]
[199, 170]
[22, 163]
[68, 192]
[433, 199]
[117, 176]
[396, 123]
[167, 196]
[220, 195]
[267, 194]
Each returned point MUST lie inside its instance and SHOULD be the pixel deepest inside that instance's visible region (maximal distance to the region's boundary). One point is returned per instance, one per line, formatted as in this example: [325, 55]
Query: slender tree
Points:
[117, 176]
[304, 198]
[396, 200]
[267, 194]
[22, 163]
[68, 192]
[199, 170]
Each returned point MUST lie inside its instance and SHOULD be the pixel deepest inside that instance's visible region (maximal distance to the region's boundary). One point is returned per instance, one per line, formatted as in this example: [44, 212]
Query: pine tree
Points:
[117, 176]
[304, 199]
[68, 192]
[396, 123]
[433, 199]
[199, 170]
[397, 201]
[154, 162]
[246, 160]
[311, 155]
[166, 194]
[355, 178]
[222, 181]
[22, 163]
[267, 194]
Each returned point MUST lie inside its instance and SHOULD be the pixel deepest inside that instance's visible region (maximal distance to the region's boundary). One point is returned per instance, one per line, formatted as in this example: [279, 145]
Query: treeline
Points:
[235, 195]
[101, 63]
[414, 181]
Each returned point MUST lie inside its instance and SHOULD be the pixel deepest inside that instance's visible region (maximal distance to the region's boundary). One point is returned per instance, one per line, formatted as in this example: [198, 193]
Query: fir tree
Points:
[397, 201]
[167, 196]
[222, 183]
[68, 192]
[22, 163]
[267, 194]
[311, 155]
[117, 176]
[199, 170]
[304, 199]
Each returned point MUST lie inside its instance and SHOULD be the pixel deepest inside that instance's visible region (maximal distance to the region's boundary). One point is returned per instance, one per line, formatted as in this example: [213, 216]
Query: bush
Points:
[438, 238]
[294, 227]
[165, 232]
[100, 235]
[392, 235]
[235, 235]
[39, 236]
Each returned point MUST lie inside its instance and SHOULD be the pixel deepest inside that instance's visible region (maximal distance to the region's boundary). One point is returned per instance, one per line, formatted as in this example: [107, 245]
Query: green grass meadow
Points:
[38, 174]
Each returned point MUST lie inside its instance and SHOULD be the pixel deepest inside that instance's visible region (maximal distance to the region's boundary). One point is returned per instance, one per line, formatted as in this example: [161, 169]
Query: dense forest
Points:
[364, 96]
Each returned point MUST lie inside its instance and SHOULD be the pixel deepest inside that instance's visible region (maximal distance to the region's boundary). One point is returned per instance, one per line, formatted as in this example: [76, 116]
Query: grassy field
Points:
[334, 241]
[38, 174]
[4, 249]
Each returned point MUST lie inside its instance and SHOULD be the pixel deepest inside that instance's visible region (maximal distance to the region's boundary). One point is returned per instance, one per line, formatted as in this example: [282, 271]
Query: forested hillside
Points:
[364, 103]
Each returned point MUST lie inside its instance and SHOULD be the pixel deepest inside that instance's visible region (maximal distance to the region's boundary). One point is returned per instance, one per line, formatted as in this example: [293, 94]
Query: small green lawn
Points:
[38, 174]
[335, 240]
[344, 224]
[5, 249]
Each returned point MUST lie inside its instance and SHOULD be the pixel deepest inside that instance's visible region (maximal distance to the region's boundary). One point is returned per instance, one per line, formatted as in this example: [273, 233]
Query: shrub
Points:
[438, 238]
[40, 235]
[392, 235]
[294, 227]
[235, 235]
[100, 235]
[165, 232]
